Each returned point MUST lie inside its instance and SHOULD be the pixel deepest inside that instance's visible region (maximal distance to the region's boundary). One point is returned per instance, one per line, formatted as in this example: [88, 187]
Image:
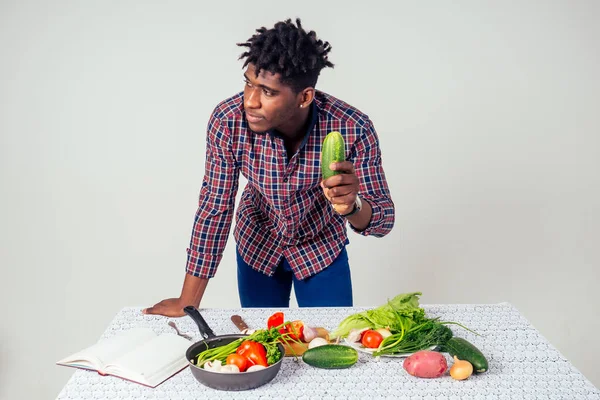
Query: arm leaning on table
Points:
[212, 222]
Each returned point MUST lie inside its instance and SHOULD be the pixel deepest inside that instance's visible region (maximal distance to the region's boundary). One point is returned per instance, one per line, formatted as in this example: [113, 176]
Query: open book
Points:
[137, 355]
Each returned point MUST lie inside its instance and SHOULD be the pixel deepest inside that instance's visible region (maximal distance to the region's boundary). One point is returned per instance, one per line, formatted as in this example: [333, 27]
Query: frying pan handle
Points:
[205, 330]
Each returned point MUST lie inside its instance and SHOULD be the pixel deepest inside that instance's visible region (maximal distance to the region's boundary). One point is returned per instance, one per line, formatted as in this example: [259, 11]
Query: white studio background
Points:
[487, 114]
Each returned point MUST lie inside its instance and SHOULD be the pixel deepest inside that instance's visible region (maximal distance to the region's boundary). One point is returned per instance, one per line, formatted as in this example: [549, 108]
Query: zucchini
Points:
[464, 350]
[331, 356]
[334, 150]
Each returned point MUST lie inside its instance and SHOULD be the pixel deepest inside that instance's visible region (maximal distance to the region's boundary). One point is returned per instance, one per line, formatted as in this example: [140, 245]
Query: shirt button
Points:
[285, 179]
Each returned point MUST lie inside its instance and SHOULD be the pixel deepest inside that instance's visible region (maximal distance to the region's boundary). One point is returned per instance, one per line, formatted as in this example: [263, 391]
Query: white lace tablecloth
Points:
[522, 364]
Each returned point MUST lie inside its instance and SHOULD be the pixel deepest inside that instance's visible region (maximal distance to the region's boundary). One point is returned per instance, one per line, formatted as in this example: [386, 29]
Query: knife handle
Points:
[239, 322]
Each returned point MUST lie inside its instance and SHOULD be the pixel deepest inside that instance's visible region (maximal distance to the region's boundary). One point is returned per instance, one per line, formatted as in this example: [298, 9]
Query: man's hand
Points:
[341, 190]
[168, 308]
[191, 295]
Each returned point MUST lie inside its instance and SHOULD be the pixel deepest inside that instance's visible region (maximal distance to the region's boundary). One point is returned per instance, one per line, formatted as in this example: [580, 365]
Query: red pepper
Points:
[276, 320]
[295, 329]
[254, 352]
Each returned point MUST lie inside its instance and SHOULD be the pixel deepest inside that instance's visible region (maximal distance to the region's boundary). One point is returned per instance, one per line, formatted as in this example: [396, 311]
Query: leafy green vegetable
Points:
[421, 336]
[273, 354]
[269, 338]
[398, 314]
[405, 319]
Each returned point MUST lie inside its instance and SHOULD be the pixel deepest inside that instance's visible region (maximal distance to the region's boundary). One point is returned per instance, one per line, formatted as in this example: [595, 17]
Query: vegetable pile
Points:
[256, 351]
[303, 337]
[260, 348]
[400, 326]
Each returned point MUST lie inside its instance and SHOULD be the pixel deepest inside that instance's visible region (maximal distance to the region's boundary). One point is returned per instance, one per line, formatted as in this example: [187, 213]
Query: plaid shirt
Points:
[283, 211]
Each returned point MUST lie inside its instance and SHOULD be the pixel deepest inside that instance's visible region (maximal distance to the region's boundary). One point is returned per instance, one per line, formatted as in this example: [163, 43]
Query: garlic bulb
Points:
[309, 333]
[355, 335]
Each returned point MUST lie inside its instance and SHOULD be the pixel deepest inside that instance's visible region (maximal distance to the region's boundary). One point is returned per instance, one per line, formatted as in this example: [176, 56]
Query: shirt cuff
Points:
[202, 265]
[380, 223]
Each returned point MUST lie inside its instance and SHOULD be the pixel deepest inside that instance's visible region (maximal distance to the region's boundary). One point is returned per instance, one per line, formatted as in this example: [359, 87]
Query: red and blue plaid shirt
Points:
[283, 211]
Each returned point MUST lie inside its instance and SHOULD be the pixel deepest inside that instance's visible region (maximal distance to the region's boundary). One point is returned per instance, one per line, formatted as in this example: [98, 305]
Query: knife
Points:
[241, 325]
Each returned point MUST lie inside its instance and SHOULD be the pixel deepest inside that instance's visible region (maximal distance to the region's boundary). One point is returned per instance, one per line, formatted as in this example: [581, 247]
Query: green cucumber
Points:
[331, 356]
[334, 150]
[464, 350]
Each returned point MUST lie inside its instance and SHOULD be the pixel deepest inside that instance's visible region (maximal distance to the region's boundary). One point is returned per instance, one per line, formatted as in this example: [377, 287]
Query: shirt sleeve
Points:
[216, 204]
[373, 184]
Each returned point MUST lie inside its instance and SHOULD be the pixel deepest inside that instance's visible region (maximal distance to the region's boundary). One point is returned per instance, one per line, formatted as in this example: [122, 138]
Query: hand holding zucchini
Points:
[341, 192]
[334, 150]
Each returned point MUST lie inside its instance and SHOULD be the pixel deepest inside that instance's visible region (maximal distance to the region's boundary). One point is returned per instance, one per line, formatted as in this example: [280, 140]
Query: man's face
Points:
[269, 104]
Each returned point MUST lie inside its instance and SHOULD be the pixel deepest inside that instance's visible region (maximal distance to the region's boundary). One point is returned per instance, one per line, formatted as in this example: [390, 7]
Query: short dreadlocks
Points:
[290, 51]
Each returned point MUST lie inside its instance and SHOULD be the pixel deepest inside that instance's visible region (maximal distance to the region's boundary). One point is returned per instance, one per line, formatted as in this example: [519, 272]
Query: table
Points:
[523, 365]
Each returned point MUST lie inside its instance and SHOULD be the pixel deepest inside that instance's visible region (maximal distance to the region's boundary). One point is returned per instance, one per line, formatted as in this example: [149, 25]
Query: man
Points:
[287, 229]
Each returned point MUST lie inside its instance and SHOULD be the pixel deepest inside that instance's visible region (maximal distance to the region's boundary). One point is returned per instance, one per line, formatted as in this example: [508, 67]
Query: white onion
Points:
[316, 342]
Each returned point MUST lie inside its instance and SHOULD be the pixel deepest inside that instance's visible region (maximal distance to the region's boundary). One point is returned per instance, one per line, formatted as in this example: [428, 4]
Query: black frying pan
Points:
[224, 381]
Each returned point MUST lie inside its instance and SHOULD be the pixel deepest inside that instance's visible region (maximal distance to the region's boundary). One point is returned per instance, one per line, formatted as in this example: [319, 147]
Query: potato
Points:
[426, 364]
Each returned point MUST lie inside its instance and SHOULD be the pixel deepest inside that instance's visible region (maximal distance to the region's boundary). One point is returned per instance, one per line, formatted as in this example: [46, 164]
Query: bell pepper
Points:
[295, 329]
[254, 352]
[276, 320]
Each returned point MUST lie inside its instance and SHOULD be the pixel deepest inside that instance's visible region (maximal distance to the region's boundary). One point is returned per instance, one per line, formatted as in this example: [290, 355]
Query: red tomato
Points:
[371, 339]
[295, 329]
[236, 359]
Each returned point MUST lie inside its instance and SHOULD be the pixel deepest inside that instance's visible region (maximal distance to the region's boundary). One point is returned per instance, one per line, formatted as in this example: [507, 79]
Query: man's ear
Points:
[306, 97]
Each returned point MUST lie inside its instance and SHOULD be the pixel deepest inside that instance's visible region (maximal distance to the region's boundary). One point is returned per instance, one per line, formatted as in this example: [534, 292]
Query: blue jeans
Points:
[331, 287]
